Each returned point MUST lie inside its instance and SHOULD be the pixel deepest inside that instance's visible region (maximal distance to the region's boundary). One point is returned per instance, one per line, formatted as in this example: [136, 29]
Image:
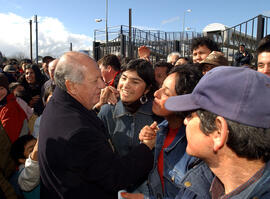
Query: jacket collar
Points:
[120, 111]
[63, 97]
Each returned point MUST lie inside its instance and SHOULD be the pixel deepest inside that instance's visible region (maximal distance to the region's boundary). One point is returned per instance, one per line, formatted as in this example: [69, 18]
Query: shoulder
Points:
[106, 110]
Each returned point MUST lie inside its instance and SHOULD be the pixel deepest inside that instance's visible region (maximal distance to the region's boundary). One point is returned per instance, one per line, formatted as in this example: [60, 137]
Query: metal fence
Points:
[124, 40]
[248, 33]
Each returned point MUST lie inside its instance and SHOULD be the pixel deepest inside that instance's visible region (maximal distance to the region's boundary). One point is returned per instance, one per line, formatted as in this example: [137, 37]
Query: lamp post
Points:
[183, 37]
[106, 26]
[188, 10]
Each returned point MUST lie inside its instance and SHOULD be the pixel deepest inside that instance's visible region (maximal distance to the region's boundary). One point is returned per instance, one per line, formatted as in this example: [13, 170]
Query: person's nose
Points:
[101, 83]
[266, 69]
[157, 93]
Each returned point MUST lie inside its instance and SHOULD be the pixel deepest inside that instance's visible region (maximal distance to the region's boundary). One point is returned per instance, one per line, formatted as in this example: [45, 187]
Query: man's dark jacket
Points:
[77, 160]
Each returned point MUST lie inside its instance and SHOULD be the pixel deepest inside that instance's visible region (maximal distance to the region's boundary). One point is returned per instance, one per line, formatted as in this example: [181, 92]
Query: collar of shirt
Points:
[218, 191]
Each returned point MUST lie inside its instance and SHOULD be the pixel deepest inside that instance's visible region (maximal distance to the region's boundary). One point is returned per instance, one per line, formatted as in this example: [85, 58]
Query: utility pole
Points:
[130, 54]
[36, 39]
[31, 48]
[106, 27]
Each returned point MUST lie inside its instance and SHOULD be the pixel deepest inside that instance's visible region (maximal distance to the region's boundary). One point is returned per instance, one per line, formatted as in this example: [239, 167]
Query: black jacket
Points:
[76, 159]
[241, 60]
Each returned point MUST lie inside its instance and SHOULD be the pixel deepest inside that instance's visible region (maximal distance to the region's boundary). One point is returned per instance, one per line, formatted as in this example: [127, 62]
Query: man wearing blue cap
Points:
[229, 129]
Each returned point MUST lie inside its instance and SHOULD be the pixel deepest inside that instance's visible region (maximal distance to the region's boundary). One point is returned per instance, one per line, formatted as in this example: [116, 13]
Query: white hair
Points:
[68, 71]
[173, 54]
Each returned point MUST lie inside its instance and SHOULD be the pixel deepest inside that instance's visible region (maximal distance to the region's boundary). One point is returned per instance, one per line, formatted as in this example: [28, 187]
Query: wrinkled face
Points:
[173, 59]
[199, 144]
[264, 63]
[161, 95]
[3, 92]
[28, 148]
[200, 53]
[131, 86]
[88, 91]
[30, 76]
[160, 75]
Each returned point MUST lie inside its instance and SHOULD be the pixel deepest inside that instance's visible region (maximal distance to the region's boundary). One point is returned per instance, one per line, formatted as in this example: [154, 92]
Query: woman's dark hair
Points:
[188, 76]
[164, 64]
[18, 147]
[40, 79]
[246, 141]
[145, 71]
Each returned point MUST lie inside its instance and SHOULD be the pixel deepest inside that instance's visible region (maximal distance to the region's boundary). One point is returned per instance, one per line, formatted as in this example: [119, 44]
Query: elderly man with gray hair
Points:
[76, 155]
[173, 57]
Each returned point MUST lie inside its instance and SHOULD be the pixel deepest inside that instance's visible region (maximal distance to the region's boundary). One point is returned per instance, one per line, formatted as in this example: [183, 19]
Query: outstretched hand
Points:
[144, 53]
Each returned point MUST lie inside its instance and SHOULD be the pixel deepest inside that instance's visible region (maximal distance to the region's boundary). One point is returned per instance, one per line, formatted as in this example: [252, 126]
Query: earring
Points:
[143, 99]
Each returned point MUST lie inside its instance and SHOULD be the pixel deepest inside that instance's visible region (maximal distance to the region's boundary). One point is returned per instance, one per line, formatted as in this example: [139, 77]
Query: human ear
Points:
[71, 87]
[147, 89]
[109, 68]
[220, 135]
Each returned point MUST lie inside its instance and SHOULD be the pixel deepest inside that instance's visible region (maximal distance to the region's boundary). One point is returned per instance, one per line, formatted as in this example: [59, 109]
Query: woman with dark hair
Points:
[32, 80]
[134, 109]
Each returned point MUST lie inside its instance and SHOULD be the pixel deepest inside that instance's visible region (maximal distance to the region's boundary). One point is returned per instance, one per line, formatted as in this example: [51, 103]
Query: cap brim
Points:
[181, 103]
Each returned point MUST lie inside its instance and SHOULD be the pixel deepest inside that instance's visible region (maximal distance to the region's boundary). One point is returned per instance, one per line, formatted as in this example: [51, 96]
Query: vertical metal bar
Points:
[31, 45]
[246, 34]
[106, 26]
[70, 46]
[129, 35]
[260, 28]
[36, 39]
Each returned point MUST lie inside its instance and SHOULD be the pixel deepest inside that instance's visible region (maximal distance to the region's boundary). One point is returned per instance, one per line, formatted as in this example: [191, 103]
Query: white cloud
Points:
[53, 37]
[171, 20]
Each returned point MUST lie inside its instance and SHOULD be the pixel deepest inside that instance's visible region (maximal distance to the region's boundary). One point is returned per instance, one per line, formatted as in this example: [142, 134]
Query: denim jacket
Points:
[125, 127]
[176, 162]
[196, 185]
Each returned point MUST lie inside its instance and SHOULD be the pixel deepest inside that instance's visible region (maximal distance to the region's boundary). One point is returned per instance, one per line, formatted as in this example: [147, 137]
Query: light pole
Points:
[106, 26]
[188, 10]
[183, 37]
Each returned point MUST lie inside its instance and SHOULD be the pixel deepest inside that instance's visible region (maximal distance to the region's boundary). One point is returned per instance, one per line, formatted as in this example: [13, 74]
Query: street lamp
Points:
[188, 10]
[183, 37]
[106, 25]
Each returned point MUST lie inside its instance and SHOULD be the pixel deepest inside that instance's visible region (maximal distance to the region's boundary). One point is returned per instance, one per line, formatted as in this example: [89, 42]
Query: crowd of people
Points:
[179, 128]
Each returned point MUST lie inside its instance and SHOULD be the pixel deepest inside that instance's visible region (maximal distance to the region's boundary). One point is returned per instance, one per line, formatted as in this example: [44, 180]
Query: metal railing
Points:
[162, 43]
[248, 33]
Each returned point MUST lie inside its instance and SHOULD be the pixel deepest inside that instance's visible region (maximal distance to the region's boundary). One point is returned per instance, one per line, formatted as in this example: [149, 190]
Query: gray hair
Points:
[172, 54]
[68, 71]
